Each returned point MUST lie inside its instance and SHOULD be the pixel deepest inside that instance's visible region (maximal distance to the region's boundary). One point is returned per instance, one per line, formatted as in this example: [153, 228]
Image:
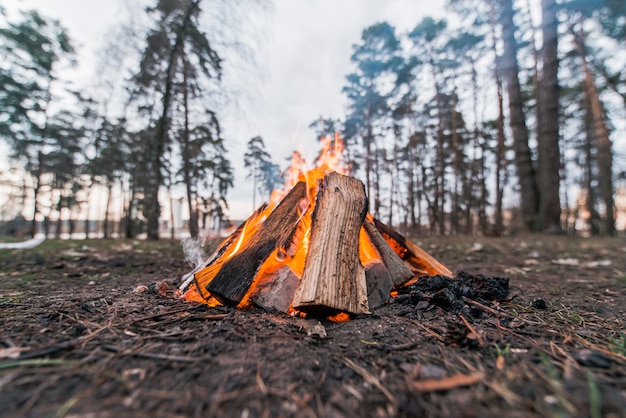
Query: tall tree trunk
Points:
[59, 225]
[439, 164]
[411, 188]
[193, 216]
[548, 140]
[36, 190]
[46, 226]
[501, 138]
[536, 77]
[87, 218]
[172, 226]
[153, 210]
[105, 222]
[500, 150]
[393, 164]
[476, 174]
[454, 216]
[71, 222]
[129, 219]
[604, 155]
[523, 160]
[593, 221]
[376, 170]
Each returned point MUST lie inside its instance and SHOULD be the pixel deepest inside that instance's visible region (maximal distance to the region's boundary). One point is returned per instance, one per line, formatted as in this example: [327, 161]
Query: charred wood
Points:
[237, 274]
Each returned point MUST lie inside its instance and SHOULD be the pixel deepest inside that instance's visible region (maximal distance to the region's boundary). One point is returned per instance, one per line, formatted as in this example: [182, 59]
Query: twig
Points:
[167, 357]
[429, 331]
[600, 349]
[472, 330]
[174, 311]
[484, 308]
[282, 336]
[405, 346]
[259, 379]
[528, 340]
[48, 350]
[36, 362]
[153, 356]
[447, 383]
[374, 381]
[510, 397]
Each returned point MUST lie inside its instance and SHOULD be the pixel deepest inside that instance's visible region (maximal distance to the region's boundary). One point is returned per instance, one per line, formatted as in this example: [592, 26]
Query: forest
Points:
[506, 116]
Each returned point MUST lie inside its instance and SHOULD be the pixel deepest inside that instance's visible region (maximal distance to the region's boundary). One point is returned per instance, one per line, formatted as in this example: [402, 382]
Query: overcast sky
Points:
[302, 61]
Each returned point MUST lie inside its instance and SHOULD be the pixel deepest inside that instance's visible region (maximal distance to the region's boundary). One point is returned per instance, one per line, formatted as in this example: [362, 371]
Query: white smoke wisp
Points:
[194, 254]
[194, 249]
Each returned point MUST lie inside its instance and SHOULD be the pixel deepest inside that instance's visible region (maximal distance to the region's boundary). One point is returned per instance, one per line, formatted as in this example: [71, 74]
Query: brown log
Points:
[379, 284]
[333, 278]
[207, 270]
[237, 274]
[422, 263]
[398, 270]
[276, 290]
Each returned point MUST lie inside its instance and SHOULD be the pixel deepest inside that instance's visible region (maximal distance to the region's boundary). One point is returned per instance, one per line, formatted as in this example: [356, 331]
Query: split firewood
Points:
[377, 277]
[205, 272]
[237, 274]
[333, 277]
[398, 270]
[422, 263]
[379, 284]
[276, 289]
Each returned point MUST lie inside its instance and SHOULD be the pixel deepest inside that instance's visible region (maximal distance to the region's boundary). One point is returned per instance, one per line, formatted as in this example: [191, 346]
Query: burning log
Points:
[201, 274]
[237, 274]
[422, 263]
[398, 270]
[276, 289]
[333, 276]
[316, 252]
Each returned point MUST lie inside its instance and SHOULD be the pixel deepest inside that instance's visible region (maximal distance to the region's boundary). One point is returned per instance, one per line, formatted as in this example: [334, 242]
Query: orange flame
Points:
[329, 160]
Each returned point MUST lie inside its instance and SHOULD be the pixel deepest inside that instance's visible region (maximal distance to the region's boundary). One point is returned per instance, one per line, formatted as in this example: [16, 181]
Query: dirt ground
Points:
[80, 338]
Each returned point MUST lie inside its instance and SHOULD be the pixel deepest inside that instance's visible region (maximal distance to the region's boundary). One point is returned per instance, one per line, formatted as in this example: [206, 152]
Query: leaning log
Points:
[237, 274]
[333, 278]
[206, 272]
[422, 263]
[398, 270]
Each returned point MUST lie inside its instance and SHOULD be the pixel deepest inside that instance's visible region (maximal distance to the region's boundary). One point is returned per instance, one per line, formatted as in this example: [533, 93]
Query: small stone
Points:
[422, 305]
[539, 304]
[592, 358]
[430, 371]
[444, 298]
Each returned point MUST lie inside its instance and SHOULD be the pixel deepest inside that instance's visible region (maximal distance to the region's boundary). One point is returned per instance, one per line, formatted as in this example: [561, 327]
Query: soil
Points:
[93, 329]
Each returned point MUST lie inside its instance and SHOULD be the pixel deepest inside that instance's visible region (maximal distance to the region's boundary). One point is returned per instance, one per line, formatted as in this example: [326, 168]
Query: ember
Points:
[313, 249]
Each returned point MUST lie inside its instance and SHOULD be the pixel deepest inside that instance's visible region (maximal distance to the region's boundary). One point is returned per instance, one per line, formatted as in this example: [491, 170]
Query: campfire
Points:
[313, 250]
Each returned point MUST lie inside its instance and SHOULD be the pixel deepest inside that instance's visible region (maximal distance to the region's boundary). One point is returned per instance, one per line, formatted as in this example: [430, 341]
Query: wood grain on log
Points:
[237, 274]
[398, 270]
[333, 278]
[379, 284]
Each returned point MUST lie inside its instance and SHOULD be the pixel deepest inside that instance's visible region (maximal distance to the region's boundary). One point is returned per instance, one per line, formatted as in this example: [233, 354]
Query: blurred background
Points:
[171, 118]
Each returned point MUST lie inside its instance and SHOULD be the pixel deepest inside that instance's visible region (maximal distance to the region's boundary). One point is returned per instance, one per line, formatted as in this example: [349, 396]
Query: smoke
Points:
[194, 249]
